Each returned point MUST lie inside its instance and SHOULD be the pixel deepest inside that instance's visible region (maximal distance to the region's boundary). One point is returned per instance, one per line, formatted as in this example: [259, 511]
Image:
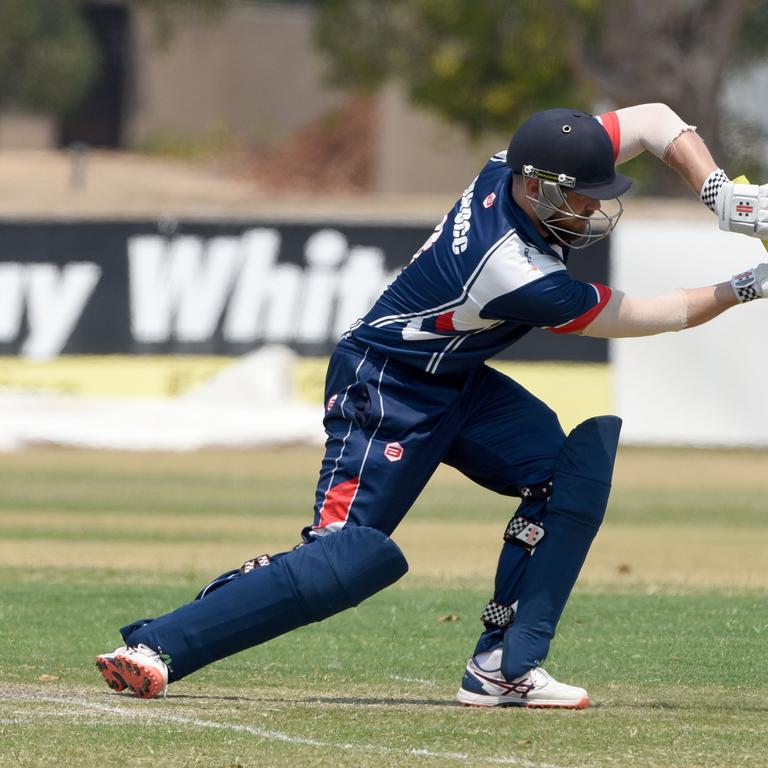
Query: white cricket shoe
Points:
[483, 685]
[139, 669]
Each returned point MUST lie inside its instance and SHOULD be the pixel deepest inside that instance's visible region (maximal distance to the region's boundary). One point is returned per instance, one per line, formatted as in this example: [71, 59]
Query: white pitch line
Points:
[459, 757]
[411, 680]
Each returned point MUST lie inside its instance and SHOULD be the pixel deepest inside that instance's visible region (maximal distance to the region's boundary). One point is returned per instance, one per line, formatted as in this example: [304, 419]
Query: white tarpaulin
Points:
[249, 404]
[701, 386]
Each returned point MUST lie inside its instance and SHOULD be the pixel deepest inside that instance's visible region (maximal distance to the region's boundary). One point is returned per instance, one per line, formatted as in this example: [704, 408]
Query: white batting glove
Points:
[743, 208]
[752, 284]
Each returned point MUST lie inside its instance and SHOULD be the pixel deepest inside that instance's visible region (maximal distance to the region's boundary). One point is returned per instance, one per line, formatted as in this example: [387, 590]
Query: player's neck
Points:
[517, 191]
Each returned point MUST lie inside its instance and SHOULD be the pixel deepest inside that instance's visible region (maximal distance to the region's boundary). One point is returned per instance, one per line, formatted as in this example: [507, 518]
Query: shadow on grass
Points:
[351, 700]
[716, 706]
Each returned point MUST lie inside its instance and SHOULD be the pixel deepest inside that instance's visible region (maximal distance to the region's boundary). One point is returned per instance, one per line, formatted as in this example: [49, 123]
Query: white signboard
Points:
[701, 386]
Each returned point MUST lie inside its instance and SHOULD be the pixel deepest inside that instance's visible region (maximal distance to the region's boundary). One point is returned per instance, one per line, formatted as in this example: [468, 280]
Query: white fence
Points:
[706, 385]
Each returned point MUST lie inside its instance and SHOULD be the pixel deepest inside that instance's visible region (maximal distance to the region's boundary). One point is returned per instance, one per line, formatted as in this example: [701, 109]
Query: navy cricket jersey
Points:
[481, 281]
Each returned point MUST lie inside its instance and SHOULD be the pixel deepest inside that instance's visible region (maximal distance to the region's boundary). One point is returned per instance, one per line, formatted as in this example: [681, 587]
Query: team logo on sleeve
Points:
[490, 200]
[331, 403]
[393, 451]
[530, 261]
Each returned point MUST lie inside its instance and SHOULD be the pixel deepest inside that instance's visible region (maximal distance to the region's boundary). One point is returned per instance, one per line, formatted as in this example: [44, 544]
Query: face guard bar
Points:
[556, 214]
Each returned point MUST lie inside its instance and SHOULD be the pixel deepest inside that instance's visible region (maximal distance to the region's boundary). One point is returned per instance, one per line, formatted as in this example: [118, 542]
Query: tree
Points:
[682, 53]
[482, 64]
[485, 65]
[47, 57]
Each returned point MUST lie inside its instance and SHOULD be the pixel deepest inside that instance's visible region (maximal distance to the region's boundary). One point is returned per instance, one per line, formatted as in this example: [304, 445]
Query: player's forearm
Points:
[705, 304]
[631, 317]
[689, 156]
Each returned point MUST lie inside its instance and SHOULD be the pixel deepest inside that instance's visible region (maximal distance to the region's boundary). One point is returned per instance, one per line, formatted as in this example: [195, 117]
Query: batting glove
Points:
[752, 284]
[743, 208]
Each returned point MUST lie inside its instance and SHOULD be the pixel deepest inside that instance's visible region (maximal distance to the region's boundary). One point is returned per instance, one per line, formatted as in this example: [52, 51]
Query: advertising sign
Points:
[213, 288]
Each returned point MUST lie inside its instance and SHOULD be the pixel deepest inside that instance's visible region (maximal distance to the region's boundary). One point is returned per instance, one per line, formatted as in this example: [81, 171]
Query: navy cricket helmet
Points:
[569, 148]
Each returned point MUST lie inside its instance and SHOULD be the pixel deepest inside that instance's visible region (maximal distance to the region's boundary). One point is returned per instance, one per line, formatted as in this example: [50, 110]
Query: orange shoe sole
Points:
[121, 673]
[582, 704]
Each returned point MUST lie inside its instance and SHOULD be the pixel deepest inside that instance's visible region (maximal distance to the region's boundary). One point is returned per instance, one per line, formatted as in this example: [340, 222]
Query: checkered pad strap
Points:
[524, 532]
[711, 186]
[536, 491]
[497, 616]
[257, 562]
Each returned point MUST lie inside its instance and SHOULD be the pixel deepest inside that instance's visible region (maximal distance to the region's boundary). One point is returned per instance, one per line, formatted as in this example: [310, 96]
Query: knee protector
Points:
[581, 482]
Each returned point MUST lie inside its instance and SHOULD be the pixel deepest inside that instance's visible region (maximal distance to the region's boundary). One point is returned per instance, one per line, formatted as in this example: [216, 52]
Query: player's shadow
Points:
[656, 705]
[371, 701]
[351, 700]
[697, 706]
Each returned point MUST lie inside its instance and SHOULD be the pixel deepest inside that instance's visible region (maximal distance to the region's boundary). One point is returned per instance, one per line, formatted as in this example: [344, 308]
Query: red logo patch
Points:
[490, 200]
[331, 402]
[394, 451]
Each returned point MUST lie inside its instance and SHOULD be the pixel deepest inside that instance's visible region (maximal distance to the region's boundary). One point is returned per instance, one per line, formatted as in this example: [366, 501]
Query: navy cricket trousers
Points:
[389, 426]
[388, 429]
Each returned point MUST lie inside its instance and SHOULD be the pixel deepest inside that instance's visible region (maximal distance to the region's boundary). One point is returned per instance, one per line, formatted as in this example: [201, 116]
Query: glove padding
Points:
[752, 284]
[743, 208]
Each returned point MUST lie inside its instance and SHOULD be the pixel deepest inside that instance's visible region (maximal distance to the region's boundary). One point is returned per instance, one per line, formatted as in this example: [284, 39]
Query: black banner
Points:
[221, 288]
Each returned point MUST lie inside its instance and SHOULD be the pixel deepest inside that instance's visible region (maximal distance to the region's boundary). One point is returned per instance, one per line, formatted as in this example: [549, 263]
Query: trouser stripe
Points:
[349, 431]
[337, 502]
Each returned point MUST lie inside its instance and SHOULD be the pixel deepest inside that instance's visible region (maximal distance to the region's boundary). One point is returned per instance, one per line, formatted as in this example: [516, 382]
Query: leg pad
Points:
[581, 484]
[307, 584]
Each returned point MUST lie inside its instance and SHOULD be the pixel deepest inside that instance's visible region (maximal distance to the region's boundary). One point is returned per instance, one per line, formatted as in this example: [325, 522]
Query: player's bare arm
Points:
[658, 129]
[628, 316]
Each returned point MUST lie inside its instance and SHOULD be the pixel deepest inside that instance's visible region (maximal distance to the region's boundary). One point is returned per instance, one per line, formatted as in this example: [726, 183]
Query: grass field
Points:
[668, 627]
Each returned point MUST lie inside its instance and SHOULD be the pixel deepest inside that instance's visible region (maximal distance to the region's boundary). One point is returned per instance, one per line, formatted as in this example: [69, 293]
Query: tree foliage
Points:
[486, 64]
[481, 64]
[47, 57]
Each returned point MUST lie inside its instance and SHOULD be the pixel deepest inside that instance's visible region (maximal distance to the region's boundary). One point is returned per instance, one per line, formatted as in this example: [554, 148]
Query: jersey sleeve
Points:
[555, 302]
[610, 122]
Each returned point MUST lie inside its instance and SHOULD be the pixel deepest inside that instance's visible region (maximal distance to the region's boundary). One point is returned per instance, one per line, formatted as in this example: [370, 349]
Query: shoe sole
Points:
[121, 673]
[469, 699]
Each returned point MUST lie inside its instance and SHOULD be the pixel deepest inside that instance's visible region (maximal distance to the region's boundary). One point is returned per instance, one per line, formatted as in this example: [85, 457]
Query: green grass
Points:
[678, 676]
[671, 675]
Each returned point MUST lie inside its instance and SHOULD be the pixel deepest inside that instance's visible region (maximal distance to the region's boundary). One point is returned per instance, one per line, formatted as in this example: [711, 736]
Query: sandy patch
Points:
[622, 556]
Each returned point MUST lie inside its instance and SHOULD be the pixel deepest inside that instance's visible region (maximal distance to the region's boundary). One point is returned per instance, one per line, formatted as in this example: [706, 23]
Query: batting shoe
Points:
[485, 686]
[139, 669]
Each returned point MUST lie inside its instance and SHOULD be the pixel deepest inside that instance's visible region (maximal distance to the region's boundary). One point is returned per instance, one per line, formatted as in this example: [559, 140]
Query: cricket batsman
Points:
[408, 388]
